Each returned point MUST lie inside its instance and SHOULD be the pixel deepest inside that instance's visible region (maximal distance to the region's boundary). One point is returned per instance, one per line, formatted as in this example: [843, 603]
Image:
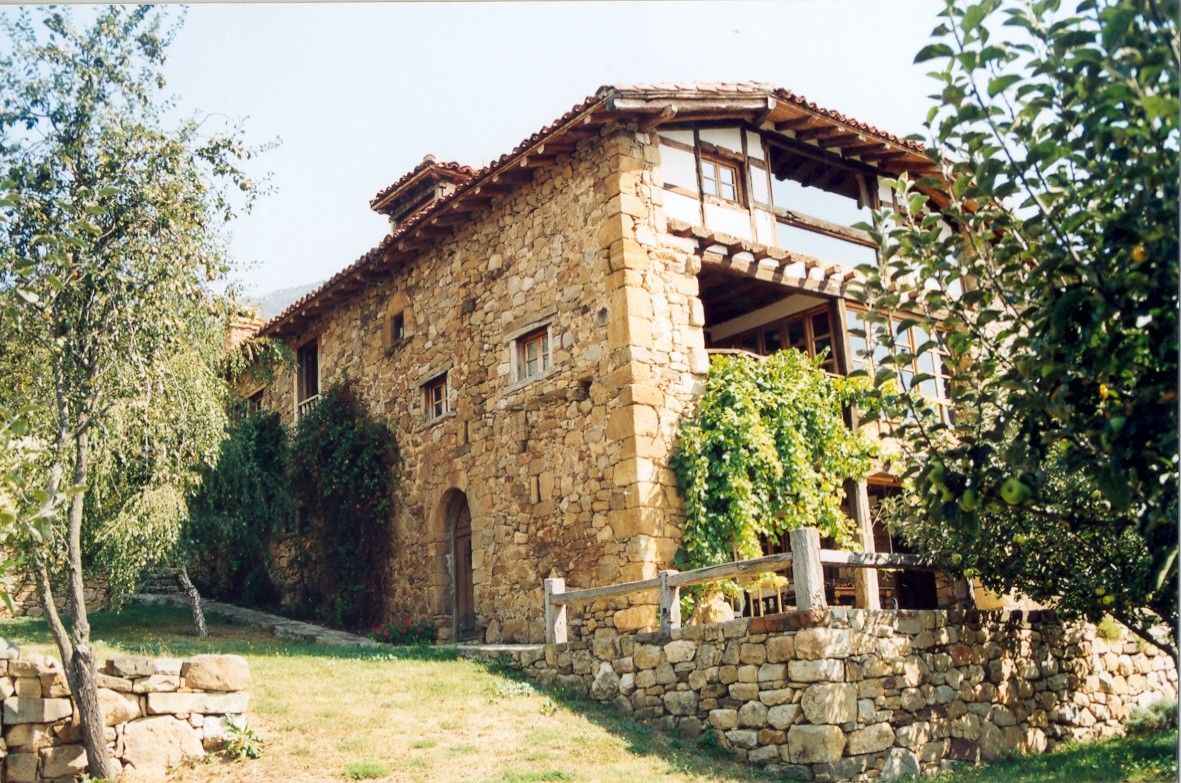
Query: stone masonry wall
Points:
[553, 468]
[157, 711]
[848, 694]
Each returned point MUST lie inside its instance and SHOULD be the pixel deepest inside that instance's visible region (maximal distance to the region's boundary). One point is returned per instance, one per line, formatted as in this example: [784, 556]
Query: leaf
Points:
[932, 51]
[999, 84]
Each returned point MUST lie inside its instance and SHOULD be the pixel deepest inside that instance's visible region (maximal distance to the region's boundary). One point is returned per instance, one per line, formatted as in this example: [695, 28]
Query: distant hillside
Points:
[273, 303]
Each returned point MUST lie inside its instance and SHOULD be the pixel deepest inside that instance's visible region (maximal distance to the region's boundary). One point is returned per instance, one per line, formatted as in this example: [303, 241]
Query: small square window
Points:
[435, 397]
[397, 327]
[720, 178]
[533, 353]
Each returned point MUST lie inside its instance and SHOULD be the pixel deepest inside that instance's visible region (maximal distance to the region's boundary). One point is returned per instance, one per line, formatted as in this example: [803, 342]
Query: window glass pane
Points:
[928, 390]
[822, 246]
[823, 345]
[679, 168]
[727, 175]
[907, 380]
[729, 193]
[772, 341]
[857, 348]
[820, 325]
[927, 363]
[796, 337]
[748, 342]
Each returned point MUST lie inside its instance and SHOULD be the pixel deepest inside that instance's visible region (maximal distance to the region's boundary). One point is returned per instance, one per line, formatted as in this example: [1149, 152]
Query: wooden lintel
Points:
[818, 132]
[796, 123]
[650, 124]
[841, 139]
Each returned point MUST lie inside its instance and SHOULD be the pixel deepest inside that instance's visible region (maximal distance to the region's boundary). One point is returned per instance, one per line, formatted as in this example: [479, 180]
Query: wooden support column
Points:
[670, 603]
[555, 613]
[807, 572]
[865, 580]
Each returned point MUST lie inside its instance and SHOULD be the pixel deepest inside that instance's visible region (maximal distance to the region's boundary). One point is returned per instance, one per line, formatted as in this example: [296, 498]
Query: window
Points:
[397, 327]
[254, 402]
[810, 332]
[867, 353]
[307, 390]
[435, 397]
[720, 178]
[533, 353]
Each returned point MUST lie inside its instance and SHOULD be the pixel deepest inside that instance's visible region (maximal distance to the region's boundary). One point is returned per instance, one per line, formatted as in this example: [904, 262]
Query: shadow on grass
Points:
[168, 631]
[703, 756]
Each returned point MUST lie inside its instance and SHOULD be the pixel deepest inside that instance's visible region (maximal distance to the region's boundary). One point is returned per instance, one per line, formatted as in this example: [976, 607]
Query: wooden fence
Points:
[806, 560]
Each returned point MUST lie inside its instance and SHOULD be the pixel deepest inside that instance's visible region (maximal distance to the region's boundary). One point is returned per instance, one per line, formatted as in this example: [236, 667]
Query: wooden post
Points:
[555, 613]
[670, 603]
[867, 595]
[806, 570]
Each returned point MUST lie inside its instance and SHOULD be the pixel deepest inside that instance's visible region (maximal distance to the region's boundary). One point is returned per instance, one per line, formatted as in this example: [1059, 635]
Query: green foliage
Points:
[342, 476]
[767, 451]
[1109, 629]
[243, 498]
[1050, 282]
[366, 770]
[406, 631]
[244, 742]
[1156, 717]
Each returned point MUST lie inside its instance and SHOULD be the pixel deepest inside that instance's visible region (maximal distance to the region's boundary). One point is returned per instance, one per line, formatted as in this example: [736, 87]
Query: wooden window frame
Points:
[542, 337]
[719, 160]
[941, 401]
[781, 325]
[304, 402]
[436, 396]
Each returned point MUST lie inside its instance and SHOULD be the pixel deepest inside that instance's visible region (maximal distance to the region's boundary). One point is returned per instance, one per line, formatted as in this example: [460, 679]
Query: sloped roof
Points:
[651, 105]
[442, 169]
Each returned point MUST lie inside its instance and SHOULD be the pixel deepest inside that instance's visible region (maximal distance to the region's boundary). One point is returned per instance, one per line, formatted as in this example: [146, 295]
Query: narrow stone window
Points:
[533, 355]
[308, 378]
[397, 327]
[435, 396]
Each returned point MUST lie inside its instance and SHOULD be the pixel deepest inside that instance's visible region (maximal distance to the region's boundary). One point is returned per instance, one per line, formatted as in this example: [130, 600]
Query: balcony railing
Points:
[305, 406]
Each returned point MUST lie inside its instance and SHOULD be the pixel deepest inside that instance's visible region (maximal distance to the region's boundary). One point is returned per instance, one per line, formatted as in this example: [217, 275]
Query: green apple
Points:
[1108, 600]
[1020, 538]
[1015, 492]
[937, 472]
[956, 558]
[970, 500]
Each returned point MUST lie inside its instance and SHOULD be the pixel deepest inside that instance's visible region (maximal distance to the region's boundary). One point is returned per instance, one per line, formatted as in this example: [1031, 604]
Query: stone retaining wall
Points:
[847, 694]
[157, 711]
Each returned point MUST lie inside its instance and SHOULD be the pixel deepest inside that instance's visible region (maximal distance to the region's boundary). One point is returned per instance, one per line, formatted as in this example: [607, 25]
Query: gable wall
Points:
[549, 467]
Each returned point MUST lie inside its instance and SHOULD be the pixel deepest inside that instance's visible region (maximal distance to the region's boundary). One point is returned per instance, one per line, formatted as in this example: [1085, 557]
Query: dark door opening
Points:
[461, 550]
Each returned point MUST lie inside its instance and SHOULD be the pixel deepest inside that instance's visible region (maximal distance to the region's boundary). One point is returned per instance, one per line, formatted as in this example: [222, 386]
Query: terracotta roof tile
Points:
[427, 162]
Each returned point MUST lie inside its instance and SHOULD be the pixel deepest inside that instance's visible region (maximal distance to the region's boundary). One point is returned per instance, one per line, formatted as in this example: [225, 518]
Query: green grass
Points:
[1150, 759]
[421, 714]
[366, 770]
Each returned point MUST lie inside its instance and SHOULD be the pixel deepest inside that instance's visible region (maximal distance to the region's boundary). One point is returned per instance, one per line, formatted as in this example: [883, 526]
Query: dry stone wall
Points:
[157, 712]
[848, 694]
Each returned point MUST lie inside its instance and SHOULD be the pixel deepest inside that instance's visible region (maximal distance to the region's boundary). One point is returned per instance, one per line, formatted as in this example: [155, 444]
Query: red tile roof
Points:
[464, 173]
[607, 102]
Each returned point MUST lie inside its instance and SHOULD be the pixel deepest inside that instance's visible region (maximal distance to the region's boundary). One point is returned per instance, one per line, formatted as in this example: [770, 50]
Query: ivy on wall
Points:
[343, 479]
[242, 499]
[767, 451]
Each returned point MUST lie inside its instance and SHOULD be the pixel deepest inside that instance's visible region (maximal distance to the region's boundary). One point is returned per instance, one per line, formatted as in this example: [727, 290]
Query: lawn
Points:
[334, 715]
[417, 715]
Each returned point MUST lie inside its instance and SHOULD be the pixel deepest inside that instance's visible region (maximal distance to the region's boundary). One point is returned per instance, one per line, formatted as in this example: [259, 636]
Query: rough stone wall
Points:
[556, 471]
[26, 604]
[847, 694]
[157, 712]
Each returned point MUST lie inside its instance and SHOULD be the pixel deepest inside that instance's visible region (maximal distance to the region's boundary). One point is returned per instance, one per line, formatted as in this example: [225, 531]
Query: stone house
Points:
[534, 331]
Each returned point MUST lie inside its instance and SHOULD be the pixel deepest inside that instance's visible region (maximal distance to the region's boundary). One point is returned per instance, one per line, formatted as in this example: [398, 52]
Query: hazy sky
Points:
[358, 93]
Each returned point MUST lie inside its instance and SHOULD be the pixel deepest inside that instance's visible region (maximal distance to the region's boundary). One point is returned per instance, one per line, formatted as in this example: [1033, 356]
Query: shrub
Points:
[405, 632]
[244, 742]
[1158, 716]
[343, 463]
[1109, 629]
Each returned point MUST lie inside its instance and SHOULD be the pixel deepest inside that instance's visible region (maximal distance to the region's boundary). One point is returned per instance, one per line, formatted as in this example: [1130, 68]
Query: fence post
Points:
[806, 569]
[555, 613]
[865, 580]
[670, 603]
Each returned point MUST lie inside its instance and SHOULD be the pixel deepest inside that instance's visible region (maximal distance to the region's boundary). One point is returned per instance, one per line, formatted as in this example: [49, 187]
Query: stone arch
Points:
[397, 307]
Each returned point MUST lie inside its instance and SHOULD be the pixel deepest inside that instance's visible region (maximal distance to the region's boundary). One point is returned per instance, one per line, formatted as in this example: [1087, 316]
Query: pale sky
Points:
[358, 93]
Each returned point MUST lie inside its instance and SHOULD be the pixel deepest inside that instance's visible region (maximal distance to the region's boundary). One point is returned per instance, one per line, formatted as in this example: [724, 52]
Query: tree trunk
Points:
[182, 576]
[80, 668]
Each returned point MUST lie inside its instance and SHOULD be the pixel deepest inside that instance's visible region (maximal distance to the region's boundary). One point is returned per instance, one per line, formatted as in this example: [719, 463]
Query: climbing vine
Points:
[343, 479]
[767, 451]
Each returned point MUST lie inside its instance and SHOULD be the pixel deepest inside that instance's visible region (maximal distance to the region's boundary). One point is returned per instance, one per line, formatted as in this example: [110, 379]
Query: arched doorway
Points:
[460, 524]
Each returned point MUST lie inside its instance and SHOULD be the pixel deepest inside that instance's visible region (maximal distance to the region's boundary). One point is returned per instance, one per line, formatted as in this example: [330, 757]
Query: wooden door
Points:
[465, 598]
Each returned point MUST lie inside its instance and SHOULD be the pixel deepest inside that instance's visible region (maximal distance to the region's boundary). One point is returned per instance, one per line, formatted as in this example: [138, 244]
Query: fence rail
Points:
[806, 560]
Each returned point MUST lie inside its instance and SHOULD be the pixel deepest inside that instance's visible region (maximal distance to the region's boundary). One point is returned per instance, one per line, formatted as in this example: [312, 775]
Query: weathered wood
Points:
[670, 602]
[822, 226]
[759, 565]
[806, 569]
[873, 560]
[607, 591]
[866, 591]
[555, 612]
